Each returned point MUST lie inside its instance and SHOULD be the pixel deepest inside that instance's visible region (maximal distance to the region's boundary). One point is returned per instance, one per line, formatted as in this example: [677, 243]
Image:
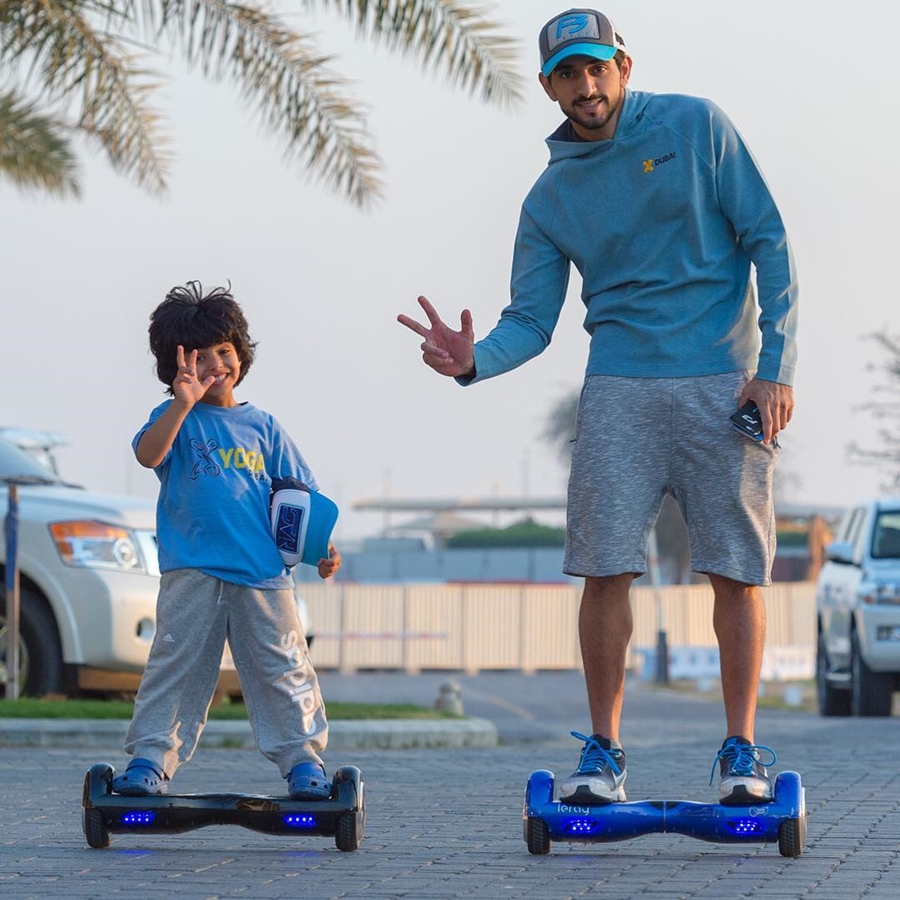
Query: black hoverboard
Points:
[342, 815]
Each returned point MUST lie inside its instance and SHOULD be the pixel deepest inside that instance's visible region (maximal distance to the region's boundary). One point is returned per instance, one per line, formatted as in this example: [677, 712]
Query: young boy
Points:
[222, 573]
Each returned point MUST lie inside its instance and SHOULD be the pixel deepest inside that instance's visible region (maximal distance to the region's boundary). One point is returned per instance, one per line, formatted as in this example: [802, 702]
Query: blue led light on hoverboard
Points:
[299, 820]
[142, 817]
[745, 826]
[580, 826]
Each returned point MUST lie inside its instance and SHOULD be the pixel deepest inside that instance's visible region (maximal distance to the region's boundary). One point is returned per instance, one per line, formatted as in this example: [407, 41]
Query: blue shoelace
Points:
[594, 757]
[741, 758]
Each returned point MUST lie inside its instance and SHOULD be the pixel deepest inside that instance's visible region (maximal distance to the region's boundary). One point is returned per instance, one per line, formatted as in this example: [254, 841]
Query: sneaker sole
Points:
[584, 796]
[740, 796]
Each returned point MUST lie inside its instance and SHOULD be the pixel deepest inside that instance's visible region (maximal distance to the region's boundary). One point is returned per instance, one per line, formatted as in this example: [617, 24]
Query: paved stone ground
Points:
[447, 823]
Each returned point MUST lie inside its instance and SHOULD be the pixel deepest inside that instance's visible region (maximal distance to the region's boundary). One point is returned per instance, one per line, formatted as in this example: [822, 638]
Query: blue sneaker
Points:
[744, 777]
[308, 781]
[600, 776]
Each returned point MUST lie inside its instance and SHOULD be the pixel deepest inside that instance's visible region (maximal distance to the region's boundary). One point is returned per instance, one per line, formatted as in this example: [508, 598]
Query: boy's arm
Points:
[157, 440]
[187, 389]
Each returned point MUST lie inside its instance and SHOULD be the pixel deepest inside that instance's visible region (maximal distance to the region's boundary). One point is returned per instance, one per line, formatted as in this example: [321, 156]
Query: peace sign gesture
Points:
[447, 351]
[187, 387]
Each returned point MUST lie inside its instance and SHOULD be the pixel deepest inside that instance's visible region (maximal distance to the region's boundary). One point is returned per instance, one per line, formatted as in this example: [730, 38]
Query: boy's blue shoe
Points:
[308, 781]
[600, 776]
[744, 777]
[140, 779]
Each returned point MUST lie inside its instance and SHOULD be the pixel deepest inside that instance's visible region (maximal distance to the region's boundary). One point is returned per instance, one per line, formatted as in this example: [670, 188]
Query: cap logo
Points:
[575, 25]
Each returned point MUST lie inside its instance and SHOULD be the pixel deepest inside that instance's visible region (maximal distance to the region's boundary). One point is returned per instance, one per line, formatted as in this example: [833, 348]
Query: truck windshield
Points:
[886, 536]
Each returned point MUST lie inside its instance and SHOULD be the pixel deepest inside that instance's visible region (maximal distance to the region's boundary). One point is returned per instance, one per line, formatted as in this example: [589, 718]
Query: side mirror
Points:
[840, 552]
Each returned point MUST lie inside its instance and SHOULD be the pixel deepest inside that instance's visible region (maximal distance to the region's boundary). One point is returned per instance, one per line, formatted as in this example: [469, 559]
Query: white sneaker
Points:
[744, 777]
[600, 776]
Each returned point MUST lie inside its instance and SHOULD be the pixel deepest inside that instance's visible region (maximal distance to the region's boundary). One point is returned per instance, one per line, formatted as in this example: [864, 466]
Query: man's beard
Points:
[593, 122]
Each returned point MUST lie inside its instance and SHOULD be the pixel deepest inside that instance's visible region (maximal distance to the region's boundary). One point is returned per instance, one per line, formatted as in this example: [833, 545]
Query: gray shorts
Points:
[637, 439]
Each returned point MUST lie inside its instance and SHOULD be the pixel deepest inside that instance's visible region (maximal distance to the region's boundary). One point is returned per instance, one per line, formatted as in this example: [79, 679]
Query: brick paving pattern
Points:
[447, 823]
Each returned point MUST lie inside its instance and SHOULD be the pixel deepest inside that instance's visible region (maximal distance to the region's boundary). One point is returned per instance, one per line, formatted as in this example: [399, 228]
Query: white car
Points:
[88, 576]
[858, 610]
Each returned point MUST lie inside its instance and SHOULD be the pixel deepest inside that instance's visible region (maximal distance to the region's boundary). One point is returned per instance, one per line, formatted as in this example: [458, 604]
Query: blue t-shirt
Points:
[213, 507]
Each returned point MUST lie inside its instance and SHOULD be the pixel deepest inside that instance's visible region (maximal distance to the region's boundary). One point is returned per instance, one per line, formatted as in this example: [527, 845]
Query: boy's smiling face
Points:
[220, 361]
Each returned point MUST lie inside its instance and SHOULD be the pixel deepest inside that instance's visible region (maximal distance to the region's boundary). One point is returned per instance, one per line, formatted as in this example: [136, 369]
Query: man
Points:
[660, 206]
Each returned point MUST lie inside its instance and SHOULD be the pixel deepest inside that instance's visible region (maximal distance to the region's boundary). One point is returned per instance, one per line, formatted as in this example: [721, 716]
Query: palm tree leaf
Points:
[74, 51]
[78, 65]
[284, 79]
[559, 426]
[444, 35]
[34, 150]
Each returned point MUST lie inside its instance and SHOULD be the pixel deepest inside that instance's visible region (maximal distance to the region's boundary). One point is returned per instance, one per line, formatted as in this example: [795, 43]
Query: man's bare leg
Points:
[739, 619]
[604, 625]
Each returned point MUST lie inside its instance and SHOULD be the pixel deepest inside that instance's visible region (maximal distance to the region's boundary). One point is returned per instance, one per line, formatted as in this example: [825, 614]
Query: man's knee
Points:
[608, 588]
[728, 588]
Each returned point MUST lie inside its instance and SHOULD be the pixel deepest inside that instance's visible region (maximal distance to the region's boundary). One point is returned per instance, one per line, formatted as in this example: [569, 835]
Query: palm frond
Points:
[285, 79]
[79, 66]
[34, 150]
[559, 425]
[448, 36]
[75, 53]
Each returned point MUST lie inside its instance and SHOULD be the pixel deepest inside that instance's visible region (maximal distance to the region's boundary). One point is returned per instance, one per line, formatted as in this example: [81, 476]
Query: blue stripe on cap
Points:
[597, 51]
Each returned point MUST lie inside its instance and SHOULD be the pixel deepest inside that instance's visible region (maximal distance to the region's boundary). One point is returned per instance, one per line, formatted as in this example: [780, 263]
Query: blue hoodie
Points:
[662, 222]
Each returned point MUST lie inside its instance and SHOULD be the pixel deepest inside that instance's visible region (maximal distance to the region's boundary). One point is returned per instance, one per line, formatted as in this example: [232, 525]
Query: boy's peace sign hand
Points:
[187, 387]
[445, 350]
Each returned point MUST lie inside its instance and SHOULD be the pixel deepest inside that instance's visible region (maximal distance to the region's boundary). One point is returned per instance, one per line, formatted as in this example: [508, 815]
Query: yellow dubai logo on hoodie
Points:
[651, 164]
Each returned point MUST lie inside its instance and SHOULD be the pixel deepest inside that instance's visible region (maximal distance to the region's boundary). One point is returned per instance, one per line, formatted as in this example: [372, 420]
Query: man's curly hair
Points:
[194, 320]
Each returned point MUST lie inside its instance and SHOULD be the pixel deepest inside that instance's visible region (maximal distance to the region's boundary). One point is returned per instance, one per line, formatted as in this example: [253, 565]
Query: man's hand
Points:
[447, 351]
[775, 402]
[186, 387]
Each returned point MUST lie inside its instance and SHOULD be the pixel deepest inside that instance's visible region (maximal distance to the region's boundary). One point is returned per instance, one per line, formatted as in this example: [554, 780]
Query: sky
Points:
[322, 283]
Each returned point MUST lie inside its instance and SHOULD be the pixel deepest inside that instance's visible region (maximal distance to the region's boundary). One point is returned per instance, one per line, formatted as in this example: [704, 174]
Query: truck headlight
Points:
[94, 545]
[880, 593]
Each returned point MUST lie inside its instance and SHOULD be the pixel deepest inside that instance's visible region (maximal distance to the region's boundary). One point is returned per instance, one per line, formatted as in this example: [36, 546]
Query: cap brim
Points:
[597, 51]
[323, 514]
[302, 522]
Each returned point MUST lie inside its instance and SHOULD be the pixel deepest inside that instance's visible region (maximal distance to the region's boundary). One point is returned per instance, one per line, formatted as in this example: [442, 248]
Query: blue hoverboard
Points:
[342, 815]
[782, 820]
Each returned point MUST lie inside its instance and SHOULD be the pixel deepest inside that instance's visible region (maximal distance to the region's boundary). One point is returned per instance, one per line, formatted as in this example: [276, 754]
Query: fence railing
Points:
[526, 627]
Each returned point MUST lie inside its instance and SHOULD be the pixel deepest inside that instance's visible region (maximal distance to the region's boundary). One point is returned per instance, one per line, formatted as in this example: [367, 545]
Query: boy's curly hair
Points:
[194, 320]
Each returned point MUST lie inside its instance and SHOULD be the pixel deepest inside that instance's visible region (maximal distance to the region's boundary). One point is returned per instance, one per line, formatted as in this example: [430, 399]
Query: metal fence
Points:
[525, 627]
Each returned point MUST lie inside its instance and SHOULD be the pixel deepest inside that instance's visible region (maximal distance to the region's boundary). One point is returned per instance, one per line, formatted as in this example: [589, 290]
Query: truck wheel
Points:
[872, 692]
[40, 654]
[832, 701]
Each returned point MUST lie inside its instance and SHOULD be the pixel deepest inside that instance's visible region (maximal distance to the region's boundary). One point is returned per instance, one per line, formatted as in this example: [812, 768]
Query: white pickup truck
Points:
[88, 576]
[858, 611]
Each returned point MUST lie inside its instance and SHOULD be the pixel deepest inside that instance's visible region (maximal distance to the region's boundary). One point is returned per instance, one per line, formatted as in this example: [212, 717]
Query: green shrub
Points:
[524, 534]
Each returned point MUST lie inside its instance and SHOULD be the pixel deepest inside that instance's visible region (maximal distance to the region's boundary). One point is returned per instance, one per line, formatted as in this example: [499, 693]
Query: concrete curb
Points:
[363, 734]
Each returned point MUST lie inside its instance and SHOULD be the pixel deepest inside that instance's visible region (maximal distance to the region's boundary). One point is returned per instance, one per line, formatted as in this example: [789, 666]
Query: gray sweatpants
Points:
[195, 613]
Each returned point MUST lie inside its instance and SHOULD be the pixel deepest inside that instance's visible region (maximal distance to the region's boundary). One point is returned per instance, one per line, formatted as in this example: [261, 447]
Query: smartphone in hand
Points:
[748, 421]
